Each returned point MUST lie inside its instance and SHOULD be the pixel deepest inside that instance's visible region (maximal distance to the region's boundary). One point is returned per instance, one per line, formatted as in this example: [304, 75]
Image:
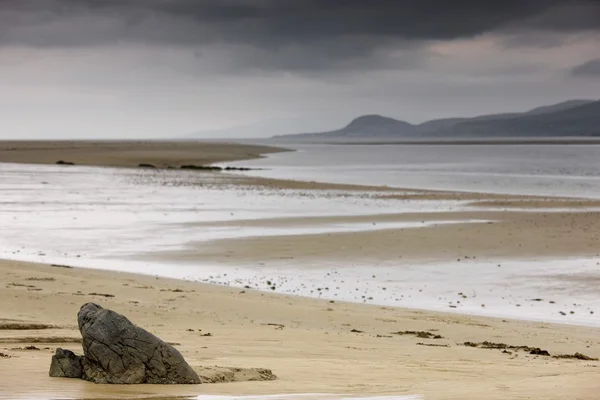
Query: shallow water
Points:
[113, 218]
[552, 170]
[89, 213]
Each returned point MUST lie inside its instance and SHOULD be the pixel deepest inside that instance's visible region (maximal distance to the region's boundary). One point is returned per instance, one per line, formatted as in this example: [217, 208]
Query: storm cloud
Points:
[589, 68]
[246, 56]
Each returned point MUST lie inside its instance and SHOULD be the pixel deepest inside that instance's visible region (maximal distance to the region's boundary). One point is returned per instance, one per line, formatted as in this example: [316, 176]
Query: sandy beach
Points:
[312, 345]
[314, 352]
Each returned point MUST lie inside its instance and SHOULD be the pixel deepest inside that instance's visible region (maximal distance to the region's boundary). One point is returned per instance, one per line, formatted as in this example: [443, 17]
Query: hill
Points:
[582, 120]
[568, 118]
[364, 126]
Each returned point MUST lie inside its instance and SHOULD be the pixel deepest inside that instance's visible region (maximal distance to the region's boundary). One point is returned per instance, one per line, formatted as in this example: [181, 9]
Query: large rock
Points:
[65, 364]
[117, 351]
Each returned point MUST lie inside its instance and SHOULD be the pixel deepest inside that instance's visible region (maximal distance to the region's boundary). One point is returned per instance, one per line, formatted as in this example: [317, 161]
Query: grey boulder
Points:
[65, 364]
[117, 351]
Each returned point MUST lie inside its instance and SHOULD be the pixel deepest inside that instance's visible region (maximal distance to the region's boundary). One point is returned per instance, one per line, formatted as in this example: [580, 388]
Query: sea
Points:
[571, 170]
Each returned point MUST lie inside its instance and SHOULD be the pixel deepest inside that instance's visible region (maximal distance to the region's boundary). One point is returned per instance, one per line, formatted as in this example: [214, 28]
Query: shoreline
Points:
[175, 153]
[118, 153]
[316, 336]
[99, 265]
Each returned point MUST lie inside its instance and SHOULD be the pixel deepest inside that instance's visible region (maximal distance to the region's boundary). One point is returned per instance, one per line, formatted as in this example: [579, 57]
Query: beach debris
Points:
[576, 356]
[504, 346]
[26, 348]
[38, 339]
[21, 326]
[62, 162]
[16, 284]
[116, 351]
[144, 165]
[356, 331]
[277, 326]
[60, 266]
[432, 344]
[419, 334]
[101, 294]
[65, 364]
[49, 279]
[2, 355]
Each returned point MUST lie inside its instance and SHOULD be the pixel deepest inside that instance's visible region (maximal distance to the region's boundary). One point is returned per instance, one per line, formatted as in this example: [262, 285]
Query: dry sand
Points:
[128, 153]
[315, 351]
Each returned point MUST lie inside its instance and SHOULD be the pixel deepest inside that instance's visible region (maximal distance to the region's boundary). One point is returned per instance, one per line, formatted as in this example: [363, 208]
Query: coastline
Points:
[161, 154]
[317, 336]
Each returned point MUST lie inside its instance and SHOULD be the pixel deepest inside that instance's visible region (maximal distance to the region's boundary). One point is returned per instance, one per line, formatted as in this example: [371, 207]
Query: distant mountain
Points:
[436, 125]
[569, 118]
[565, 105]
[582, 120]
[365, 126]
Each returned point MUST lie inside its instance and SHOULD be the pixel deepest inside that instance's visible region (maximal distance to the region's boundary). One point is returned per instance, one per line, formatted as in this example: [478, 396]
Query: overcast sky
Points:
[164, 68]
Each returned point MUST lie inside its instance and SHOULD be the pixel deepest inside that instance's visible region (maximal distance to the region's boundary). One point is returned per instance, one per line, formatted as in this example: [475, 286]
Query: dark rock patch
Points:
[201, 167]
[65, 364]
[60, 266]
[213, 168]
[539, 352]
[117, 351]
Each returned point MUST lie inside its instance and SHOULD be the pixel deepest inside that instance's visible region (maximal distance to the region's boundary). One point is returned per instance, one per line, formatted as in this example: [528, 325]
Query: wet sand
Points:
[508, 235]
[315, 350]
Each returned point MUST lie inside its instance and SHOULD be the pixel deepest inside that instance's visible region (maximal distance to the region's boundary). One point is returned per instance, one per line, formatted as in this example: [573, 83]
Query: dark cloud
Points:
[590, 69]
[294, 35]
[274, 23]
